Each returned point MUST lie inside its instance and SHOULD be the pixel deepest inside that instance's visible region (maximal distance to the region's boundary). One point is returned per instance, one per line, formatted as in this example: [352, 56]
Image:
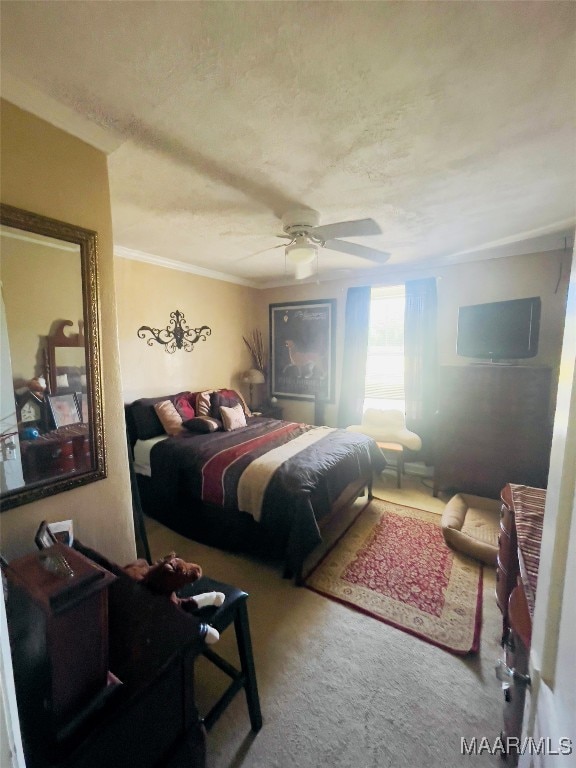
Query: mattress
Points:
[142, 449]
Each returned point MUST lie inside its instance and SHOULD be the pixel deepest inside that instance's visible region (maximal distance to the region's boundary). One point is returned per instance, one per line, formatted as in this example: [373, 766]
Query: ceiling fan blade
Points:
[355, 228]
[264, 250]
[354, 249]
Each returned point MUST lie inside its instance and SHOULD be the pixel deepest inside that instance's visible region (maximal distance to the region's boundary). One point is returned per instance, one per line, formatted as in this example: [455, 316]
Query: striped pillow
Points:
[202, 424]
[203, 405]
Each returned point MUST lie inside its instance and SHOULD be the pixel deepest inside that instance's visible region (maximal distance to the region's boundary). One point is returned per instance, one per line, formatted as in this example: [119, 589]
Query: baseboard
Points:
[418, 468]
[412, 468]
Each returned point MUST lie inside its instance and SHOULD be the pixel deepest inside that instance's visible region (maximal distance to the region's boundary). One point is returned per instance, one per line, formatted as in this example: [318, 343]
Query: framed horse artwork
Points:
[302, 350]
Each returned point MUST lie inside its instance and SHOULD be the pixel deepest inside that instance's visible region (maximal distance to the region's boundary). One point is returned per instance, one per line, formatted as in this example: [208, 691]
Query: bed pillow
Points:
[203, 407]
[184, 406]
[143, 420]
[247, 410]
[169, 417]
[202, 424]
[222, 397]
[233, 418]
[146, 421]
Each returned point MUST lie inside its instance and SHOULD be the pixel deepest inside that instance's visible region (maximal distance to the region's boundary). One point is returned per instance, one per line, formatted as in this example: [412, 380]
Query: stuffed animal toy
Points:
[37, 386]
[170, 574]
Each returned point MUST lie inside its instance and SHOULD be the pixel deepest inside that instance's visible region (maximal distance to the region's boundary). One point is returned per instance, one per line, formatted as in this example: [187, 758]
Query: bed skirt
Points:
[238, 531]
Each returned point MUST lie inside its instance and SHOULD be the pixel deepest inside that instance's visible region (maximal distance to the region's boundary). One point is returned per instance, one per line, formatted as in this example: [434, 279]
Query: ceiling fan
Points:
[302, 229]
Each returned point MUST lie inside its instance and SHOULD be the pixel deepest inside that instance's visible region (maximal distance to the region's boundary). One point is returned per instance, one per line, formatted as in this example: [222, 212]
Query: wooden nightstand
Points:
[58, 619]
[270, 411]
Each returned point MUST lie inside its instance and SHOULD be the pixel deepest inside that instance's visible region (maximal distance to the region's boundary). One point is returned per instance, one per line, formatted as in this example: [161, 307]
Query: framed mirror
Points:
[51, 421]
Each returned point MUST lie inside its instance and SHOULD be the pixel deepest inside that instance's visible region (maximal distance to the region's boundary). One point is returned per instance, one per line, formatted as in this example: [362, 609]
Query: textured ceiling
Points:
[452, 124]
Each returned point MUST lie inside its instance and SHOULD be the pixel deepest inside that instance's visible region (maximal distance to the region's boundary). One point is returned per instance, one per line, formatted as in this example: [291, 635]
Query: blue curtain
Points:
[420, 360]
[356, 330]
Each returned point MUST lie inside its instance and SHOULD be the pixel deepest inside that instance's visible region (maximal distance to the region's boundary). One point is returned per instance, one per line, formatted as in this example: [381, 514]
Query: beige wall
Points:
[545, 275]
[40, 285]
[47, 171]
[516, 277]
[146, 295]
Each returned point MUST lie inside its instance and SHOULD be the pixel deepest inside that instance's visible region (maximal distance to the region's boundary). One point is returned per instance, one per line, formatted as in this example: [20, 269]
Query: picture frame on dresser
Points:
[44, 537]
[64, 409]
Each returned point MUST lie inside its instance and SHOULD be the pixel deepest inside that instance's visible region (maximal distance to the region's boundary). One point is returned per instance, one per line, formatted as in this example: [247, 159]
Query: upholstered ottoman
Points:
[470, 524]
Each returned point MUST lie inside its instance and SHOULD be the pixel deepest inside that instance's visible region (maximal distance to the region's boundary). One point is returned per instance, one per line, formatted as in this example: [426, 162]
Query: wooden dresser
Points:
[492, 427]
[58, 452]
[149, 719]
[516, 580]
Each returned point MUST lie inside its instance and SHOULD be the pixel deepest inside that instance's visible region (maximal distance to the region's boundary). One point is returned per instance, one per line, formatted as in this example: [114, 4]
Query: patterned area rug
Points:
[393, 564]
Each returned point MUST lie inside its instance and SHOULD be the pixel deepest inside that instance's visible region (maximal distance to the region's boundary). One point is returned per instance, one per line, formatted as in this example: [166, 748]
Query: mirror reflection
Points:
[50, 405]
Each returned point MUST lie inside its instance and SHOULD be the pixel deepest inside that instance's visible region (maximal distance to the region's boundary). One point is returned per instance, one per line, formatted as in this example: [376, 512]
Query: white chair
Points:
[388, 428]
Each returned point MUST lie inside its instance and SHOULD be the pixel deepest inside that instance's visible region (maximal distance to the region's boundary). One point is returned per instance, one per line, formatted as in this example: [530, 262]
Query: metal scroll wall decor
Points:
[179, 336]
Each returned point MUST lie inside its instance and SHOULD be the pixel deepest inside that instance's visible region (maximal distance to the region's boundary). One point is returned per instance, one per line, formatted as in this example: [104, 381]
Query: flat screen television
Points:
[501, 330]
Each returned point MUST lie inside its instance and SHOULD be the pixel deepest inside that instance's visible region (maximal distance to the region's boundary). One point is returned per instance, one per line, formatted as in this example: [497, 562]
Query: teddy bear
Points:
[167, 576]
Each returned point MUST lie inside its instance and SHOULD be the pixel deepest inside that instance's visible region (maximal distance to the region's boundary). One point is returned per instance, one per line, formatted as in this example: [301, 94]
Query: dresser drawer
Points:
[507, 549]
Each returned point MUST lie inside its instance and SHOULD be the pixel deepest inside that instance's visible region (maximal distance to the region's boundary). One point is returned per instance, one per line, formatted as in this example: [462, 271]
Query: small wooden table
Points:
[269, 411]
[398, 449]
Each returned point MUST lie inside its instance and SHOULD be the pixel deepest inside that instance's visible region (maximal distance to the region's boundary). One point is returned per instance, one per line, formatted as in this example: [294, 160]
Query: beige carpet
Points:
[339, 688]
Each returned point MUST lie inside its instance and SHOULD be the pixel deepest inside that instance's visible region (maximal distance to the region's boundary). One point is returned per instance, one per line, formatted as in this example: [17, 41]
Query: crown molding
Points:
[181, 266]
[552, 237]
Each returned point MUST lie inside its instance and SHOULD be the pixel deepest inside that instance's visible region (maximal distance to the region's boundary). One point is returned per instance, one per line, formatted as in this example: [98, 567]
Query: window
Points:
[384, 387]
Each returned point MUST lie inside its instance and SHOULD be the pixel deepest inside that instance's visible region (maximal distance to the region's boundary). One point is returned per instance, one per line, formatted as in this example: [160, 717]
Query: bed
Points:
[248, 483]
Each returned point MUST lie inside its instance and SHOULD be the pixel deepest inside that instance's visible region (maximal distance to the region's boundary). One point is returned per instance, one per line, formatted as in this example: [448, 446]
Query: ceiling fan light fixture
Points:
[301, 251]
[303, 270]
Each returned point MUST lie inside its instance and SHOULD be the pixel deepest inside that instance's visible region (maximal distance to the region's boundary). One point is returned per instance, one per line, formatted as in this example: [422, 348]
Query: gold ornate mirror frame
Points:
[94, 468]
